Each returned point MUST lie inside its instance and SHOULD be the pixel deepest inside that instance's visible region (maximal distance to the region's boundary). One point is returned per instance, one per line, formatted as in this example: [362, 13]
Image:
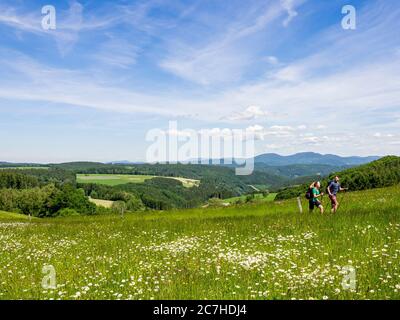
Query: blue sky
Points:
[113, 70]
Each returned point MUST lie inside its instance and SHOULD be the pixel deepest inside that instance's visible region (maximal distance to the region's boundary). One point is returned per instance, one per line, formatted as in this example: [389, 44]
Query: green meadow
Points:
[258, 197]
[251, 251]
[117, 179]
[111, 179]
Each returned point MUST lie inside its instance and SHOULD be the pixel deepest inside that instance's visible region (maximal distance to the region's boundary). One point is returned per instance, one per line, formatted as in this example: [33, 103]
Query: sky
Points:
[111, 71]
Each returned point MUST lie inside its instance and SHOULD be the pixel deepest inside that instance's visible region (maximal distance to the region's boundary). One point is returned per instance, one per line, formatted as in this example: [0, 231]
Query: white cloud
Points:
[383, 135]
[251, 113]
[257, 132]
[206, 66]
[289, 6]
[272, 60]
[117, 53]
[282, 128]
[276, 131]
[272, 146]
[67, 32]
[225, 54]
[291, 73]
[69, 24]
[27, 22]
[256, 128]
[73, 22]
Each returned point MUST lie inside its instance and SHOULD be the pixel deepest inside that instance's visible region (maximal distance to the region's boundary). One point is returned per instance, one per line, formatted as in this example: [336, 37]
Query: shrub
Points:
[135, 204]
[119, 207]
[67, 212]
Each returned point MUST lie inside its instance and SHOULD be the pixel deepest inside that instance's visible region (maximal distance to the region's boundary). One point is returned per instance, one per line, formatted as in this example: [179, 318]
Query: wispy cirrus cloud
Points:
[227, 53]
[74, 21]
[69, 24]
[289, 6]
[117, 53]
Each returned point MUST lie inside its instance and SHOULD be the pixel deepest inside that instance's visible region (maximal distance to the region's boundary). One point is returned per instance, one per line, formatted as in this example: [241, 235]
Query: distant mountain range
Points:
[303, 158]
[270, 159]
[273, 159]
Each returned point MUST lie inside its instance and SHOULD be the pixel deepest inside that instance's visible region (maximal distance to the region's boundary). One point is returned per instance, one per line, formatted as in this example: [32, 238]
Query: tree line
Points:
[47, 201]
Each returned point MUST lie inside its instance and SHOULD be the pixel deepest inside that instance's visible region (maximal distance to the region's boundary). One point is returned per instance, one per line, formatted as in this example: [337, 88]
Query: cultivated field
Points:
[255, 251]
[116, 179]
[102, 203]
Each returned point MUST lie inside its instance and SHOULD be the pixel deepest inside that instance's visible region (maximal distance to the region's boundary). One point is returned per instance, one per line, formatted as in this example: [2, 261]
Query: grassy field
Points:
[102, 203]
[116, 179]
[111, 179]
[10, 216]
[258, 197]
[253, 251]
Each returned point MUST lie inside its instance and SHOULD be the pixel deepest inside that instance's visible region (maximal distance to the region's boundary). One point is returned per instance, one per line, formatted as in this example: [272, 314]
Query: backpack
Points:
[309, 194]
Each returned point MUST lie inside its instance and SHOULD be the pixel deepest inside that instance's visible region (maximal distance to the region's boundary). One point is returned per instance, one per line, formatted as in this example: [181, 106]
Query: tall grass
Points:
[252, 251]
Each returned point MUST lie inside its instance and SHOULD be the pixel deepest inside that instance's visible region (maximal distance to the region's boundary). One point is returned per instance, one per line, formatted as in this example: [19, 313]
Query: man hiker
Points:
[314, 195]
[333, 188]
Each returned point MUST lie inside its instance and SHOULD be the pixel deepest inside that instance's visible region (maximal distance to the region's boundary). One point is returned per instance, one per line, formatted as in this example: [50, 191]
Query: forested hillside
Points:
[294, 171]
[380, 173]
[42, 193]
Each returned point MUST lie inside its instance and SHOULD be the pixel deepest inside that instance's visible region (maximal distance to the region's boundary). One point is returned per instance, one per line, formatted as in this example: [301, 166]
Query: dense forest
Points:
[42, 193]
[380, 173]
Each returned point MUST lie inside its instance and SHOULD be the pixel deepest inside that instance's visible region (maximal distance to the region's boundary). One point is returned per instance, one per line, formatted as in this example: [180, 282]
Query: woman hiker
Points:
[315, 194]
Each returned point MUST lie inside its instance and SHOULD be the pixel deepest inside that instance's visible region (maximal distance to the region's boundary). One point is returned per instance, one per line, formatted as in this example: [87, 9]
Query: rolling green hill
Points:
[294, 171]
[380, 173]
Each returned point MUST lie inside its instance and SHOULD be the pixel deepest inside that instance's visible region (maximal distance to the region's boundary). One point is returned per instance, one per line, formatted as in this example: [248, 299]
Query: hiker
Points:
[314, 195]
[333, 188]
